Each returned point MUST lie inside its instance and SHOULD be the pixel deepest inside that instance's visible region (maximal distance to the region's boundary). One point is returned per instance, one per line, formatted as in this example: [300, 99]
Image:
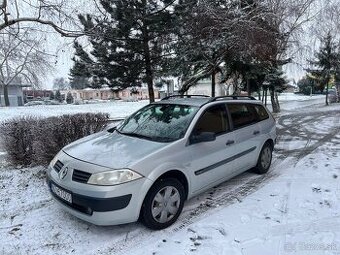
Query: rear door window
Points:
[213, 120]
[242, 115]
[261, 112]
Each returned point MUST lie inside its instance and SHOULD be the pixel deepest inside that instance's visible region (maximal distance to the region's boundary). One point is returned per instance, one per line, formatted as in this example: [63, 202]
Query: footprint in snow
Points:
[317, 190]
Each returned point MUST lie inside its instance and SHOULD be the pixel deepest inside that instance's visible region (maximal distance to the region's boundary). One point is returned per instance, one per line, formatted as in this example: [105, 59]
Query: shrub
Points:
[35, 141]
[52, 96]
[58, 96]
[69, 98]
[17, 138]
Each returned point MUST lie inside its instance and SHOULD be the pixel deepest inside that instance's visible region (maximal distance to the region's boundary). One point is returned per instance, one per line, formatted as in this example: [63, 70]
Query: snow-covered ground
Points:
[116, 109]
[294, 209]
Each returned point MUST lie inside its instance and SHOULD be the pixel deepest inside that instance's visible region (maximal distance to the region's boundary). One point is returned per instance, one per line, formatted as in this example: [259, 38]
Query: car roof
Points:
[203, 100]
[186, 101]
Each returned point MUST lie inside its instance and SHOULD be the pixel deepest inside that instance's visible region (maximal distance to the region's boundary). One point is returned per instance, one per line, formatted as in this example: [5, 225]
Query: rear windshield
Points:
[159, 122]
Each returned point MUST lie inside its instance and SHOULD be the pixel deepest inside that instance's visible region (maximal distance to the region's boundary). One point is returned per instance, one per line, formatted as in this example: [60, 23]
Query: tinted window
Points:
[159, 122]
[261, 112]
[213, 120]
[242, 115]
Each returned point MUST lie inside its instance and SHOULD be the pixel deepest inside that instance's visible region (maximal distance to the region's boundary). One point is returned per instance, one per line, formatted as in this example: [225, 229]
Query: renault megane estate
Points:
[165, 153]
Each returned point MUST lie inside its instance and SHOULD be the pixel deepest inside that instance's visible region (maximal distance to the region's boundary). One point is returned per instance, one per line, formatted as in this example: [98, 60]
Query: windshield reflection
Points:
[159, 122]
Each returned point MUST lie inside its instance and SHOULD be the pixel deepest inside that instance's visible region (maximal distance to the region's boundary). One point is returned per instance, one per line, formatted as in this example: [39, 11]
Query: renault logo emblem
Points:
[63, 173]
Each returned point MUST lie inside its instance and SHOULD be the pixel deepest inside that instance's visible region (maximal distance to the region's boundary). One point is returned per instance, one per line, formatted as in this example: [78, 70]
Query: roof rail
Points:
[184, 96]
[232, 97]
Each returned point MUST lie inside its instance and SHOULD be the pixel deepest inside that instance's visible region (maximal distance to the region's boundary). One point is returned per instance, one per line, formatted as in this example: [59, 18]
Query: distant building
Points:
[33, 94]
[15, 94]
[203, 87]
[106, 93]
[290, 88]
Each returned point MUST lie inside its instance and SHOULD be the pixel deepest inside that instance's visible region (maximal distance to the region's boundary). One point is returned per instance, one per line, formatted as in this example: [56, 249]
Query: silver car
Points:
[165, 153]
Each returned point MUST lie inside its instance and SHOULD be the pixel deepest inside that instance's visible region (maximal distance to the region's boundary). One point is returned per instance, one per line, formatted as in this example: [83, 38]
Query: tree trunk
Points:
[337, 88]
[148, 72]
[248, 87]
[263, 94]
[328, 79]
[148, 64]
[6, 96]
[213, 83]
[236, 91]
[277, 101]
[274, 101]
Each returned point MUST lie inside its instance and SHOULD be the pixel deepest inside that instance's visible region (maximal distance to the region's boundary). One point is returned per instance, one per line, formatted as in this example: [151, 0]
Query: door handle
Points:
[230, 142]
[256, 132]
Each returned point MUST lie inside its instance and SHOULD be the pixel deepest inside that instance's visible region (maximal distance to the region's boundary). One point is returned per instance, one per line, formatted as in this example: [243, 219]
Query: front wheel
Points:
[265, 159]
[163, 203]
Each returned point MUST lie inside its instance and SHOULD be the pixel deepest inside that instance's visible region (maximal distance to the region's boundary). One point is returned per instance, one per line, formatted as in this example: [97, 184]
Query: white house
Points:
[203, 87]
[15, 95]
[106, 93]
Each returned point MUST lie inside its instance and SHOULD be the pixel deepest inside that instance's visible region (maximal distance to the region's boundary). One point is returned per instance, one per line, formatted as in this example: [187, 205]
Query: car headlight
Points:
[54, 160]
[113, 177]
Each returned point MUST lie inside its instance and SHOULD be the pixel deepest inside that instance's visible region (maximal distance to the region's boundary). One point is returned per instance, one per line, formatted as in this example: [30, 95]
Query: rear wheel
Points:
[265, 159]
[163, 203]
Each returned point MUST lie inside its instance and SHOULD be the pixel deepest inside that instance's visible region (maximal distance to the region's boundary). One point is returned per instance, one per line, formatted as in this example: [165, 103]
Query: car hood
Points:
[112, 150]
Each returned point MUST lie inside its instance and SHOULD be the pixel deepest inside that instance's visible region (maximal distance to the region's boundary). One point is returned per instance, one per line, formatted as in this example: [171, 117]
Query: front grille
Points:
[58, 166]
[80, 176]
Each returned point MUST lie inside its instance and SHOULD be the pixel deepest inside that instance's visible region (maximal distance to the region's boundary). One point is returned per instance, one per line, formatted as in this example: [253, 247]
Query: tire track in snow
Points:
[292, 131]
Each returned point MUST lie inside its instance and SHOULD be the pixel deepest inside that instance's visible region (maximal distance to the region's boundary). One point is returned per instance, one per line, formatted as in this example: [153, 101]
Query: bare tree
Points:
[21, 59]
[289, 18]
[61, 83]
[56, 14]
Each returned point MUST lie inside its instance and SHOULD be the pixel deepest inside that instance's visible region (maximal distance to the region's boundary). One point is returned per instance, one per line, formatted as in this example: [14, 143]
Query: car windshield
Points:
[159, 122]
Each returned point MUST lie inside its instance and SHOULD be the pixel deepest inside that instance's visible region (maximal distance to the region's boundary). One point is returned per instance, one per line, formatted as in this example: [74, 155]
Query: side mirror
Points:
[110, 128]
[203, 137]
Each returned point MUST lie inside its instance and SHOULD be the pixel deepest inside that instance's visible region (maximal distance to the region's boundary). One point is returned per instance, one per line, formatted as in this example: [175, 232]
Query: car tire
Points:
[265, 159]
[163, 204]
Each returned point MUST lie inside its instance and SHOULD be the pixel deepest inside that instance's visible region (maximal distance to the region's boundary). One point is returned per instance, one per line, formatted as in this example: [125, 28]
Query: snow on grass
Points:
[294, 97]
[115, 109]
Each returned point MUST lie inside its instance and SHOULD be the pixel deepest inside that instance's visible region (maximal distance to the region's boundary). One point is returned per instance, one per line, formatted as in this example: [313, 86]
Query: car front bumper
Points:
[100, 205]
[88, 205]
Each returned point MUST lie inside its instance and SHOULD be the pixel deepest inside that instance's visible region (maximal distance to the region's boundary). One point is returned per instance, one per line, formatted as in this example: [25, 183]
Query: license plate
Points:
[64, 195]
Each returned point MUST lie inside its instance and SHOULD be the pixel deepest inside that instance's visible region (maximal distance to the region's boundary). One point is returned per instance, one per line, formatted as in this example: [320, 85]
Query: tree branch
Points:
[61, 31]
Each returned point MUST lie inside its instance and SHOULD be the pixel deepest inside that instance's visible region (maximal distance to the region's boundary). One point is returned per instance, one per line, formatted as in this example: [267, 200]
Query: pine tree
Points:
[327, 59]
[132, 46]
[52, 96]
[200, 48]
[277, 84]
[58, 96]
[80, 73]
[69, 98]
[226, 38]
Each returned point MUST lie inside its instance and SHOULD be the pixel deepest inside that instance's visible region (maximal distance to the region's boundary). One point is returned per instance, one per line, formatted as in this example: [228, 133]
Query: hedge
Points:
[31, 141]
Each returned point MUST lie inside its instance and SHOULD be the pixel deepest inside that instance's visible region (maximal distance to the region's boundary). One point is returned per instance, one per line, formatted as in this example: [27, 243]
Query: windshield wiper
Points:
[155, 139]
[135, 135]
